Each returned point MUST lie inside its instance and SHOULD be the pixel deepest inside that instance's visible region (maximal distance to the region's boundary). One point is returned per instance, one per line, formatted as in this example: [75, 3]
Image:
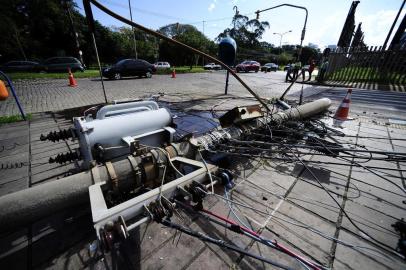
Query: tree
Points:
[189, 35]
[308, 53]
[245, 32]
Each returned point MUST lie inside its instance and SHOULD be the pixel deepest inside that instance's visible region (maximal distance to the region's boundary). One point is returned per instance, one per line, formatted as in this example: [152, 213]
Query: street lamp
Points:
[280, 41]
[304, 26]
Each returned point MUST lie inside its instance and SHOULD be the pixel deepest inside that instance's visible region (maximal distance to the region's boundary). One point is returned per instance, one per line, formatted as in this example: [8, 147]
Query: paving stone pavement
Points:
[42, 95]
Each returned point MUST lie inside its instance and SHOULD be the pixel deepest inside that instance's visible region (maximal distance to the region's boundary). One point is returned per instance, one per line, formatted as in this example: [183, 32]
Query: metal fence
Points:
[368, 65]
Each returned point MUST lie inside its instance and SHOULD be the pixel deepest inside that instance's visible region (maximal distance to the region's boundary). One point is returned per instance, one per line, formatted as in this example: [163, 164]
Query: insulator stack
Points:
[64, 158]
[63, 134]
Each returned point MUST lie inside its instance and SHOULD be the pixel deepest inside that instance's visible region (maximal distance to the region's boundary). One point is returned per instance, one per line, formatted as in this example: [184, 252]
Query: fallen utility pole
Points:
[29, 205]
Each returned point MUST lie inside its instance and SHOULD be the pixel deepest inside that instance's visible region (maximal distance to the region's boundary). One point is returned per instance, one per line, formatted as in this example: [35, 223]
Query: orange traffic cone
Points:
[344, 108]
[72, 81]
[173, 73]
[3, 91]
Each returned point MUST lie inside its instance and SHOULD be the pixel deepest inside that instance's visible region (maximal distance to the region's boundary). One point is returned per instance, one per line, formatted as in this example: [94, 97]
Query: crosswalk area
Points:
[373, 99]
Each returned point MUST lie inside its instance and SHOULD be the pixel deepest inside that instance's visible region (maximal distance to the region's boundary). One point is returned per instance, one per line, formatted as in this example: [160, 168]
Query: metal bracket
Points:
[95, 175]
[136, 169]
[112, 174]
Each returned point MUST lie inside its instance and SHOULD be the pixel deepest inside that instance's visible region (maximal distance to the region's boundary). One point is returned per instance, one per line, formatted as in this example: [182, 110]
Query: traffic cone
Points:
[72, 81]
[344, 108]
[173, 73]
[3, 91]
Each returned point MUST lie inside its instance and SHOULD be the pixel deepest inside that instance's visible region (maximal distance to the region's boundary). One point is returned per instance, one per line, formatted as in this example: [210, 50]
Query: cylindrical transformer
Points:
[108, 132]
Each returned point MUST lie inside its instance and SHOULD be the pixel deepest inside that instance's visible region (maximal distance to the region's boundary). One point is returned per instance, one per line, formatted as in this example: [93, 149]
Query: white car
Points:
[162, 65]
[212, 66]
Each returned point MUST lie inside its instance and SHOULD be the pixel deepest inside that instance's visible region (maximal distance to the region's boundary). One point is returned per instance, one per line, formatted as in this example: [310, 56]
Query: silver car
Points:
[162, 65]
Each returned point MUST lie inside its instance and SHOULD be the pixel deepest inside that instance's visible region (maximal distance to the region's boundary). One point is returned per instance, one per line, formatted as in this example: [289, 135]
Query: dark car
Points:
[248, 66]
[129, 67]
[270, 67]
[62, 64]
[20, 66]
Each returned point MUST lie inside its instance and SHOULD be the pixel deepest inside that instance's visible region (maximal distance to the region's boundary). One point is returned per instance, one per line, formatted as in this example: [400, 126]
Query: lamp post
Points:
[304, 26]
[281, 37]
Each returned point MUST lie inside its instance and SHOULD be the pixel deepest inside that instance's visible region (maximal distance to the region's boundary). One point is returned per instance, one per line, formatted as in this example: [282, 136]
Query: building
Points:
[332, 47]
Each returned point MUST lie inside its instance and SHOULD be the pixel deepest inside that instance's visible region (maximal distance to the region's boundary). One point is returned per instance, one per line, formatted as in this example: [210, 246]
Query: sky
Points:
[324, 25]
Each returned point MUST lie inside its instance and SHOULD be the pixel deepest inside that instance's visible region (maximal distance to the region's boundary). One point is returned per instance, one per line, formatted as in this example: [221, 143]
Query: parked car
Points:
[288, 66]
[212, 66]
[270, 67]
[129, 67]
[248, 66]
[162, 65]
[62, 64]
[20, 66]
[306, 67]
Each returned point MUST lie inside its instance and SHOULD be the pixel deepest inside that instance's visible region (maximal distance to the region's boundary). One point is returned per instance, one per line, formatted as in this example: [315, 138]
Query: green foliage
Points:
[13, 118]
[366, 74]
[89, 73]
[92, 73]
[285, 58]
[181, 70]
[189, 35]
[38, 29]
[245, 32]
[308, 53]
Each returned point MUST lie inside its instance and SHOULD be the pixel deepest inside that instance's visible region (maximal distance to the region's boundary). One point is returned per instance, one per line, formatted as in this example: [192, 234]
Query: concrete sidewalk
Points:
[296, 211]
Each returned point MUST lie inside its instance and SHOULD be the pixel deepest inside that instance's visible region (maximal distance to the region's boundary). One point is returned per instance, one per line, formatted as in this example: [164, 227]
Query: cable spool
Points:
[3, 91]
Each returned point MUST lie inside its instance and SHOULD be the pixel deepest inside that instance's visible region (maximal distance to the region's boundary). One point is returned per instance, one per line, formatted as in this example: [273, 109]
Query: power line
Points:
[160, 15]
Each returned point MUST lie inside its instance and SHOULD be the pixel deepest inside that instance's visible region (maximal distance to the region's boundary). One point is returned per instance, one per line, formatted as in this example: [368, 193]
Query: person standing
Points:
[289, 72]
[296, 67]
[311, 68]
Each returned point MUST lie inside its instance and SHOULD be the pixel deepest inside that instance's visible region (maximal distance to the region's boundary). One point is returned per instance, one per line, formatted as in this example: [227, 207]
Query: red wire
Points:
[282, 248]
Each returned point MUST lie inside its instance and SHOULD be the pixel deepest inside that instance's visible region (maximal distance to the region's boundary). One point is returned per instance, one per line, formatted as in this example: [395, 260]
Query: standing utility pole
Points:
[132, 29]
[75, 34]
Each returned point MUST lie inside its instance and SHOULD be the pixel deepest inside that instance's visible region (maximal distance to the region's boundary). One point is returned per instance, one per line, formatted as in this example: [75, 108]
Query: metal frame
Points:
[134, 207]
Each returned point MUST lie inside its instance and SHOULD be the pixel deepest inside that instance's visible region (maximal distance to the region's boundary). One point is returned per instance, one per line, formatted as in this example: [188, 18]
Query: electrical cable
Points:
[86, 4]
[248, 232]
[208, 171]
[371, 171]
[383, 245]
[221, 243]
[305, 226]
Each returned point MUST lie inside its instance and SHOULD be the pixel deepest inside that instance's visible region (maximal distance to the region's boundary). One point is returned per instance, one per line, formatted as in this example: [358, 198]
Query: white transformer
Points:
[117, 126]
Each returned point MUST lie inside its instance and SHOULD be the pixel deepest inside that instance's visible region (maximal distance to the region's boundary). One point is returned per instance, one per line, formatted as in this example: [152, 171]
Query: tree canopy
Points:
[189, 35]
[38, 29]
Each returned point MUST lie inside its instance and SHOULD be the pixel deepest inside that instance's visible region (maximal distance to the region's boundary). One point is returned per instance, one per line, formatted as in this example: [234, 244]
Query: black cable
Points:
[391, 250]
[238, 229]
[220, 243]
[86, 4]
[371, 171]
